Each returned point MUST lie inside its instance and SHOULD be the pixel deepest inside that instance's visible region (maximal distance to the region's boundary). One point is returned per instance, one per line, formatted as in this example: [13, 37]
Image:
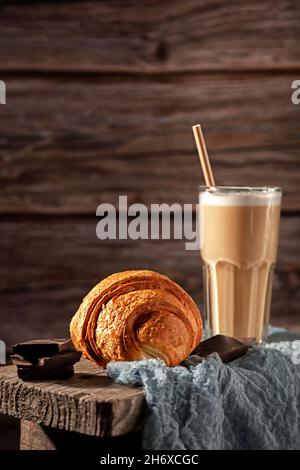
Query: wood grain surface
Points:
[36, 436]
[89, 402]
[47, 266]
[66, 145]
[150, 36]
[101, 98]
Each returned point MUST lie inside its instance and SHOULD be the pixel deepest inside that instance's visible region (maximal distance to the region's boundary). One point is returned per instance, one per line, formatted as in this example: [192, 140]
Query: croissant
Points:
[136, 315]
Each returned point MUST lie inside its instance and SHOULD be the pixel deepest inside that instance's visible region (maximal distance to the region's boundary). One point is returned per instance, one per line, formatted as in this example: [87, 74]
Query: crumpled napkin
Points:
[250, 403]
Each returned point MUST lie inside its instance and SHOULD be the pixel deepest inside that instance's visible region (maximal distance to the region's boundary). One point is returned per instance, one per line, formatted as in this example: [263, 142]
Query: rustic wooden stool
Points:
[87, 410]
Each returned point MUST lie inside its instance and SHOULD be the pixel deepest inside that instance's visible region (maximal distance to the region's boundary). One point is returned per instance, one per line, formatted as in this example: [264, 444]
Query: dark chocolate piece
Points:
[41, 373]
[52, 362]
[35, 349]
[227, 347]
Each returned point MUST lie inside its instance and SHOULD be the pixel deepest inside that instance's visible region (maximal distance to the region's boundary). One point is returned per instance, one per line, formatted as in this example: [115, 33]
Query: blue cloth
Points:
[250, 403]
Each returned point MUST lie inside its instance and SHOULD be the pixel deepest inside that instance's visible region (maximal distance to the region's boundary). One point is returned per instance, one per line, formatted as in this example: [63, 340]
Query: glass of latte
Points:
[238, 245]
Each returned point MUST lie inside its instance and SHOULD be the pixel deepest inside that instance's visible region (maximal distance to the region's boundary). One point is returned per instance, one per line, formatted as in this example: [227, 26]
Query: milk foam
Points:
[240, 198]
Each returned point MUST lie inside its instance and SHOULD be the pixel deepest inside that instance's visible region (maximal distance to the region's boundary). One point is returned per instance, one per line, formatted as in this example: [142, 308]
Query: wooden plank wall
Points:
[101, 97]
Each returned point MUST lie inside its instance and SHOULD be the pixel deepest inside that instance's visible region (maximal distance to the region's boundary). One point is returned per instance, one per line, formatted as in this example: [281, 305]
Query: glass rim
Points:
[243, 189]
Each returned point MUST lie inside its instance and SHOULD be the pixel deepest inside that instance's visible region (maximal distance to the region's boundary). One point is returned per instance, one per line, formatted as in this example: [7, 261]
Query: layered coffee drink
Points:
[238, 245]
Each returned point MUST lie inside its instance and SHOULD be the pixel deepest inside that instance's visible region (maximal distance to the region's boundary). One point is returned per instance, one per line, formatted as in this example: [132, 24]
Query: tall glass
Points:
[238, 245]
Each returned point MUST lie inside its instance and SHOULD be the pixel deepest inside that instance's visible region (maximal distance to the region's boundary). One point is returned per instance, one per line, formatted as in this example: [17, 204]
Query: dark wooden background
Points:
[101, 97]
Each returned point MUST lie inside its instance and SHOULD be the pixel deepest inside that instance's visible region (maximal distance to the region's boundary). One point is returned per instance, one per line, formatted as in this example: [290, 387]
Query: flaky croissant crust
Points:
[134, 315]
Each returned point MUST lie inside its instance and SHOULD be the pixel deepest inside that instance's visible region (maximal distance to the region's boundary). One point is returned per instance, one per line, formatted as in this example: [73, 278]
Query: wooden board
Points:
[36, 436]
[68, 144]
[89, 402]
[48, 265]
[149, 36]
[33, 436]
